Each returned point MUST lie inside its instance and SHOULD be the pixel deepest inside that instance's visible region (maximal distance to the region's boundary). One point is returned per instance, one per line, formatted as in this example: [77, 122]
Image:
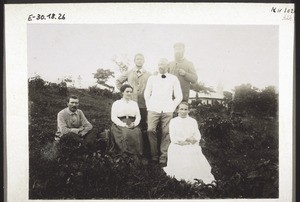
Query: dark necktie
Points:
[163, 76]
[138, 72]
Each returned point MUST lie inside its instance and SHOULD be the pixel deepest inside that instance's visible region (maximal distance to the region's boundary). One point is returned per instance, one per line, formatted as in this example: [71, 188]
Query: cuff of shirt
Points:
[178, 140]
[75, 130]
[83, 133]
[122, 124]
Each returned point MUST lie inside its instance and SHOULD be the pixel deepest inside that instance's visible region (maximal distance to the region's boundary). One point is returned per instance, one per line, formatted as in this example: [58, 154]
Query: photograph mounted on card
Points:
[113, 102]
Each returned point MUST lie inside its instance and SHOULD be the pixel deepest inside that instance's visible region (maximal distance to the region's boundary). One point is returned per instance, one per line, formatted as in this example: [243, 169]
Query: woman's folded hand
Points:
[183, 143]
[191, 140]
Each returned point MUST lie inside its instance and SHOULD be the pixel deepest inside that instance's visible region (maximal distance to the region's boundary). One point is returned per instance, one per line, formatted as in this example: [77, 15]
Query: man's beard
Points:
[74, 108]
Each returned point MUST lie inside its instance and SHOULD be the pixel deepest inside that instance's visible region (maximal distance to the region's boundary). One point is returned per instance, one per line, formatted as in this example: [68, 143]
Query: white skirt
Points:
[188, 163]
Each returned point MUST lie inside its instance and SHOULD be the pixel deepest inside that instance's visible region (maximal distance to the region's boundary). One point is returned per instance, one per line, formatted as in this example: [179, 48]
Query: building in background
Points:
[209, 99]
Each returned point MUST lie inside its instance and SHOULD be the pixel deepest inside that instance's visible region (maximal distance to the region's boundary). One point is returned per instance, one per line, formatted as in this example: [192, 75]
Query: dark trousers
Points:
[143, 122]
[144, 127]
[89, 140]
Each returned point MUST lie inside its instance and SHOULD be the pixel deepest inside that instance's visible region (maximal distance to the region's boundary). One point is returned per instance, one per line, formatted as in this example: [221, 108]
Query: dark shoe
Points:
[162, 164]
[153, 163]
[144, 161]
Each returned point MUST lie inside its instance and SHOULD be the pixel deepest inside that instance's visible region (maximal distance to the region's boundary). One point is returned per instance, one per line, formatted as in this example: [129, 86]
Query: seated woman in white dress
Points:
[185, 158]
[125, 115]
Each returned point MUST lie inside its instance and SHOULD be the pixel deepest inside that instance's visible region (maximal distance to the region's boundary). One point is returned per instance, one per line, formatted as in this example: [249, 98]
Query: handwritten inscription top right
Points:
[288, 12]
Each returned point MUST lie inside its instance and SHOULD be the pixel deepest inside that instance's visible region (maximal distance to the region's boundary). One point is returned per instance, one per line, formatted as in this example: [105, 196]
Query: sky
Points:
[229, 55]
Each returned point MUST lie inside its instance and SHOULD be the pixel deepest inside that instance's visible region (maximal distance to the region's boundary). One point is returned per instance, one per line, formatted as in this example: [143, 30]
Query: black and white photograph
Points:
[132, 108]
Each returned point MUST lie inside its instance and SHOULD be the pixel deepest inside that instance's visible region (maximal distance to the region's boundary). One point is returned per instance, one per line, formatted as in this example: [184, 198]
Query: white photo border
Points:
[16, 20]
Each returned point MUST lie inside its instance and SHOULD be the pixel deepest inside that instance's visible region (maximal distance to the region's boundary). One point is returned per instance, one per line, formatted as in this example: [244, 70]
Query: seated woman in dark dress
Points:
[125, 115]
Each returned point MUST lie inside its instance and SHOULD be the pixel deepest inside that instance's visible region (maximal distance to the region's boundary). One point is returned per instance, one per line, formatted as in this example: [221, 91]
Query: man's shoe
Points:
[145, 161]
[153, 163]
[162, 164]
[56, 138]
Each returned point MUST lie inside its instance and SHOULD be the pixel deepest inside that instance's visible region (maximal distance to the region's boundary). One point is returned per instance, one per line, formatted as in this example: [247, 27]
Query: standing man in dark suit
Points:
[183, 69]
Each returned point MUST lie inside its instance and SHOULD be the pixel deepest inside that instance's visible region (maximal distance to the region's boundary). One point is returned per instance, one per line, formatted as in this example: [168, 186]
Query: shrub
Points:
[62, 88]
[242, 151]
[36, 84]
[95, 91]
[251, 101]
[216, 126]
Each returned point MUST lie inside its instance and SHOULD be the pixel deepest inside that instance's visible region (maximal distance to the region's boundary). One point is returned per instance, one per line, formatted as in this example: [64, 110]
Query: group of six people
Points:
[149, 101]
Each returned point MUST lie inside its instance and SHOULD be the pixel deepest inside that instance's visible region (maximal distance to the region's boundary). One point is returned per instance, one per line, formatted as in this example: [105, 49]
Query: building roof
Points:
[209, 96]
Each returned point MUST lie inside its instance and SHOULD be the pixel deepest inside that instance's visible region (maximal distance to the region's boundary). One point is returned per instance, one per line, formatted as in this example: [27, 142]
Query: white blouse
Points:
[122, 108]
[182, 128]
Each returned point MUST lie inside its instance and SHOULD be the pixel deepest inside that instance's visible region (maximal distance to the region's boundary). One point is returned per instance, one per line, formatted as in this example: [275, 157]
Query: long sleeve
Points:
[148, 90]
[85, 123]
[196, 134]
[121, 80]
[63, 126]
[114, 116]
[137, 114]
[177, 93]
[191, 75]
[175, 137]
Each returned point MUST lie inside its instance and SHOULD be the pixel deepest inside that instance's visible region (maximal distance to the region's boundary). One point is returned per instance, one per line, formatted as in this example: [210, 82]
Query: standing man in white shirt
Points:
[159, 93]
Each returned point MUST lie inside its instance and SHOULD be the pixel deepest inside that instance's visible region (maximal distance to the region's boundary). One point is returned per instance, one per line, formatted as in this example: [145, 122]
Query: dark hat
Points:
[179, 45]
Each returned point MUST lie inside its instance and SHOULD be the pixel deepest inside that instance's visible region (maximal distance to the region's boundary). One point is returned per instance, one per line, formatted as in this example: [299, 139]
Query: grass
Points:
[242, 150]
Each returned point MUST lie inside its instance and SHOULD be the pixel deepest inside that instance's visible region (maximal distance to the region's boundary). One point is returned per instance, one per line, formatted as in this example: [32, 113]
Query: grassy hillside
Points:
[242, 150]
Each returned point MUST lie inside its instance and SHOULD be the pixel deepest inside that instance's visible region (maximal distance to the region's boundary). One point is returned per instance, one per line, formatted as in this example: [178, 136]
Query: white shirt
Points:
[182, 128]
[122, 108]
[159, 93]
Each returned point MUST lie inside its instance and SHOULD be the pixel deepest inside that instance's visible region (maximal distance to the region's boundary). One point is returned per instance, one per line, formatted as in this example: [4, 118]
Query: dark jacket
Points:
[186, 80]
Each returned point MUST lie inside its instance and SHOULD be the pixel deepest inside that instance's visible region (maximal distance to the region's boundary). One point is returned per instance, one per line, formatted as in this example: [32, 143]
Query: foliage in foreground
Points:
[242, 150]
[75, 174]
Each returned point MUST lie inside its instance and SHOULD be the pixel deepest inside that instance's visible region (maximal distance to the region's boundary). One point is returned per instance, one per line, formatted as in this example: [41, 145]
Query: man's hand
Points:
[182, 72]
[81, 128]
[131, 125]
[191, 140]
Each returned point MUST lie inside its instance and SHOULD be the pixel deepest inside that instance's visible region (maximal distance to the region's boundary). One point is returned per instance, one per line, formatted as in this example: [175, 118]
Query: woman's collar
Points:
[124, 100]
[184, 117]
